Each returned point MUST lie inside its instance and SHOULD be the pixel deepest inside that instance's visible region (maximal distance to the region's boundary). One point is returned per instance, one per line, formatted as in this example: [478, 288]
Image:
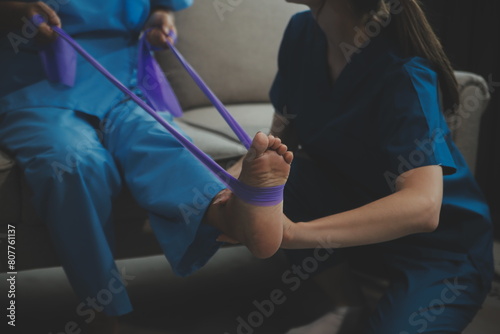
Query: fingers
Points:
[45, 33]
[162, 24]
[172, 29]
[158, 37]
[51, 15]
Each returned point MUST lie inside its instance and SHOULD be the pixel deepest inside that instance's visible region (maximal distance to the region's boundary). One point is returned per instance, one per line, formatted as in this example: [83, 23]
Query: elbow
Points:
[431, 224]
[429, 214]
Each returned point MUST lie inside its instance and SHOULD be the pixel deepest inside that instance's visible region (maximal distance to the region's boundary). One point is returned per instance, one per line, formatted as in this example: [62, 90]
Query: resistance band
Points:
[265, 196]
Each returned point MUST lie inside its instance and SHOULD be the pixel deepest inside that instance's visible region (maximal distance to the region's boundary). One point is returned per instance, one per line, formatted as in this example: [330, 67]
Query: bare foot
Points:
[267, 163]
[260, 228]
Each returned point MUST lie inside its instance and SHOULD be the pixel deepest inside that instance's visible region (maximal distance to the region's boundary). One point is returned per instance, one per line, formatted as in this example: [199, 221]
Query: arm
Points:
[413, 208]
[161, 20]
[13, 16]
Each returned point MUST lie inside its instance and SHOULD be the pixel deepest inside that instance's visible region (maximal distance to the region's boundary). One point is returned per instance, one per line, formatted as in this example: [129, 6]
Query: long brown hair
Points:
[413, 33]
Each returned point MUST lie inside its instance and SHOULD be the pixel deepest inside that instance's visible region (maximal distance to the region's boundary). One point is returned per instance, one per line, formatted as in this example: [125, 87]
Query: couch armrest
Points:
[465, 123]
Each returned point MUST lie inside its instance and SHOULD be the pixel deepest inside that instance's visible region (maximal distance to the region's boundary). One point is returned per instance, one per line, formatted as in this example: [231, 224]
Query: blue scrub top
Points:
[381, 118]
[107, 29]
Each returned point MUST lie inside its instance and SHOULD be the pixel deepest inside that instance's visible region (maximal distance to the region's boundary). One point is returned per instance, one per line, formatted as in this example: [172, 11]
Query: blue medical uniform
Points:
[78, 146]
[380, 119]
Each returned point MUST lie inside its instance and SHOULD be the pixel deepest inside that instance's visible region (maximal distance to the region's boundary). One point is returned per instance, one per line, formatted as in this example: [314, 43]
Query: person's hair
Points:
[411, 30]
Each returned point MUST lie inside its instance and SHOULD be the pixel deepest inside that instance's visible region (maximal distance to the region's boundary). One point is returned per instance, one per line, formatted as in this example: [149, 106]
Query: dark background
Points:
[470, 33]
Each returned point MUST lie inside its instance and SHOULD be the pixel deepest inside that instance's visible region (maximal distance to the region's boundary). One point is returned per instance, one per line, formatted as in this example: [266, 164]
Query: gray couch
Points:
[235, 52]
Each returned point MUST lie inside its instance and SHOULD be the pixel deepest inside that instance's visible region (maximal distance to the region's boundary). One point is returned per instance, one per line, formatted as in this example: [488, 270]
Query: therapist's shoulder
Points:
[300, 26]
[405, 73]
[421, 69]
[302, 18]
[410, 88]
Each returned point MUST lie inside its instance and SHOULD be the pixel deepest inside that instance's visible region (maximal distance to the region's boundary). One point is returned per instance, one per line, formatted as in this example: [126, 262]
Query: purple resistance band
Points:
[237, 129]
[267, 196]
[153, 83]
[147, 63]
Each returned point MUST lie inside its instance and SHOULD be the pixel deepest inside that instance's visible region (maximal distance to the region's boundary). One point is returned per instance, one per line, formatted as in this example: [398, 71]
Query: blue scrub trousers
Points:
[76, 165]
[431, 290]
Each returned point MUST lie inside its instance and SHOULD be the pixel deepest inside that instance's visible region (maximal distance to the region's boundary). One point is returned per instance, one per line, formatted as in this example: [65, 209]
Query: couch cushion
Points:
[216, 146]
[234, 51]
[252, 117]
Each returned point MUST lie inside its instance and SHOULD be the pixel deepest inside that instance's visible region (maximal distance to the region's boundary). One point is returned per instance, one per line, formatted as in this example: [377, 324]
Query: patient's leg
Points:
[260, 228]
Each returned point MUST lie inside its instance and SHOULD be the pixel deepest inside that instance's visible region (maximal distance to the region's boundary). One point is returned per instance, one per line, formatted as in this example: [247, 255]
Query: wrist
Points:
[290, 231]
[161, 9]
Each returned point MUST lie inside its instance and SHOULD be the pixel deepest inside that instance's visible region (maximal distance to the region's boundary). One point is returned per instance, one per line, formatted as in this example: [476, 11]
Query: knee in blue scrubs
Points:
[75, 172]
[74, 180]
[427, 296]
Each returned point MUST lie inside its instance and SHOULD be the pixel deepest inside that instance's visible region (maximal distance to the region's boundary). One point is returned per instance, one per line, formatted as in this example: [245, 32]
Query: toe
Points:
[288, 156]
[282, 149]
[276, 144]
[260, 144]
[271, 139]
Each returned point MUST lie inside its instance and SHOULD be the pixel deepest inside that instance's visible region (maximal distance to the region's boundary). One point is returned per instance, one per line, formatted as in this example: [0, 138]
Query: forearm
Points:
[398, 215]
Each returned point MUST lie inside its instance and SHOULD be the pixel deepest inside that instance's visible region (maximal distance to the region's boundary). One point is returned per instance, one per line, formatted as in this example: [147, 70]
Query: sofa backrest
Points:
[233, 45]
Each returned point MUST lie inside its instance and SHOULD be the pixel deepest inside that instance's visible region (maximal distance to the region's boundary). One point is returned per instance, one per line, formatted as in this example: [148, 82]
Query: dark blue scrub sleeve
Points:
[411, 128]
